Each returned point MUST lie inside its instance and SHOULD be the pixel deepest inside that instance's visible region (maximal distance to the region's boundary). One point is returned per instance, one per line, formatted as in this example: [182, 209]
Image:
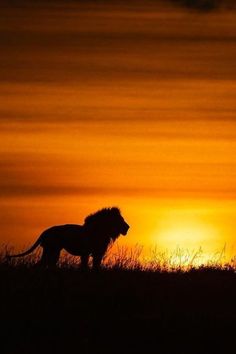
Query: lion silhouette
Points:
[90, 239]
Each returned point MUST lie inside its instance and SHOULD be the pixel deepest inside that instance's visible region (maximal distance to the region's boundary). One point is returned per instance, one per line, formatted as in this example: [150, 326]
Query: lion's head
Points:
[108, 222]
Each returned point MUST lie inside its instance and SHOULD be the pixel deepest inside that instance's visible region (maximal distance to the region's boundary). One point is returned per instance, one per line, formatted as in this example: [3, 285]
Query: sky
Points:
[125, 104]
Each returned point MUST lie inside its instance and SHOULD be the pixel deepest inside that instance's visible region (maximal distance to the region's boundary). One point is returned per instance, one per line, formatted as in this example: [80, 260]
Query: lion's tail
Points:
[30, 250]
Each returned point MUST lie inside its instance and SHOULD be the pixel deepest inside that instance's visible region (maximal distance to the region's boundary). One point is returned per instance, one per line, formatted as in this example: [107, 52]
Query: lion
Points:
[90, 239]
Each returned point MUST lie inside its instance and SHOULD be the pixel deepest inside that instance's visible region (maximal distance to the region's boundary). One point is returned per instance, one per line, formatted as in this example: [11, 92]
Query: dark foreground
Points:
[115, 311]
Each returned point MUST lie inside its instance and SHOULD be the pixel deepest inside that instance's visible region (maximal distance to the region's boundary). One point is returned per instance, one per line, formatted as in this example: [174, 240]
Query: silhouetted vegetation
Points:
[121, 309]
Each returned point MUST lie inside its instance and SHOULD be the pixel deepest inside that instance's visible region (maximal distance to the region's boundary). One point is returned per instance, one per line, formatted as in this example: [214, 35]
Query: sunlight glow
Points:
[187, 240]
[183, 229]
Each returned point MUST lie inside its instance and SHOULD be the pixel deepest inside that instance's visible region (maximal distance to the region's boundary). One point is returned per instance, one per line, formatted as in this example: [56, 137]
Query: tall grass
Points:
[180, 259]
[136, 258]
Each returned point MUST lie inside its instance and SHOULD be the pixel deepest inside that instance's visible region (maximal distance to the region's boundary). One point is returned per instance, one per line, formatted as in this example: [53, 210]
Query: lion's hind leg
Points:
[50, 257]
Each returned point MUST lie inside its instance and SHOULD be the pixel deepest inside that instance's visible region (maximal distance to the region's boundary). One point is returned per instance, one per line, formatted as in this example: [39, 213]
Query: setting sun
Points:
[184, 230]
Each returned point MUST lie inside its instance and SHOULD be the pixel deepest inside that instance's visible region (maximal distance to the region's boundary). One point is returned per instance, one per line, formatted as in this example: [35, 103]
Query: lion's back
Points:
[70, 229]
[61, 234]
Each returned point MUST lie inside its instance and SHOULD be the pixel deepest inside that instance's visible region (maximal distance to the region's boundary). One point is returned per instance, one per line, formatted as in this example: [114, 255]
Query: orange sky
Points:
[119, 105]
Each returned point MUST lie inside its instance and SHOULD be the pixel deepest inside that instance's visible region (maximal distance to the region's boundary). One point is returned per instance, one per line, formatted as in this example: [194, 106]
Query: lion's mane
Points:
[106, 222]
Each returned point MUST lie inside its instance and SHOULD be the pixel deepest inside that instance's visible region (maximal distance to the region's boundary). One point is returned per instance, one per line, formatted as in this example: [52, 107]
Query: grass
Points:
[160, 306]
[170, 261]
[136, 258]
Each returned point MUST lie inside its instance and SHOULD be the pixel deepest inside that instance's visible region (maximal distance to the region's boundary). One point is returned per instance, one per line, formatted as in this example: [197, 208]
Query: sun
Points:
[186, 230]
[186, 239]
[185, 235]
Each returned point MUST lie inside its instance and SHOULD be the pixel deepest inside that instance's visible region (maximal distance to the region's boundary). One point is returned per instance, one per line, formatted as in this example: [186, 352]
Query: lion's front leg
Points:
[97, 260]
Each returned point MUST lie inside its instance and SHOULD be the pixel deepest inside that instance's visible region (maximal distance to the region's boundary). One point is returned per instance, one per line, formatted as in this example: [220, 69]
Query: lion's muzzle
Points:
[124, 229]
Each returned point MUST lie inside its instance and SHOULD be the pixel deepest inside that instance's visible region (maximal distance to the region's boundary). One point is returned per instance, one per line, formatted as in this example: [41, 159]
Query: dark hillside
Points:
[117, 311]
